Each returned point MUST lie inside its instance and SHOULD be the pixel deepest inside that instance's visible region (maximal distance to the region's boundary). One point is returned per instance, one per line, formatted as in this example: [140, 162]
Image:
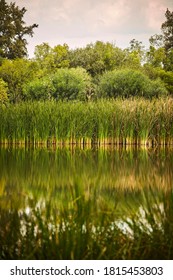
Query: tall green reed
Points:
[132, 121]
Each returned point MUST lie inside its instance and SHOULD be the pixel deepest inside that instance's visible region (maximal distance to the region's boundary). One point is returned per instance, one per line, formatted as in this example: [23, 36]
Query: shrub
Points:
[157, 88]
[128, 83]
[64, 84]
[70, 84]
[39, 89]
[167, 78]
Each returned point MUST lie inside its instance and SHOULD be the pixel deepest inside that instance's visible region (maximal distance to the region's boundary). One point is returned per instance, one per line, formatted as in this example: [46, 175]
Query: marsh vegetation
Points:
[127, 122]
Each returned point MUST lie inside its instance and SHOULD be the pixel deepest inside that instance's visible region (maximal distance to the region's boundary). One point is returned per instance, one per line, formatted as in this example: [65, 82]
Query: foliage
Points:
[71, 84]
[156, 41]
[134, 55]
[97, 58]
[63, 74]
[64, 84]
[49, 59]
[156, 56]
[13, 31]
[38, 89]
[167, 78]
[41, 52]
[3, 92]
[131, 60]
[167, 29]
[128, 83]
[16, 73]
[168, 62]
[160, 53]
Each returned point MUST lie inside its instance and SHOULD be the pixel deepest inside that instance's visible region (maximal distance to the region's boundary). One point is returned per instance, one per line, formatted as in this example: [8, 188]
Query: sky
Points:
[80, 22]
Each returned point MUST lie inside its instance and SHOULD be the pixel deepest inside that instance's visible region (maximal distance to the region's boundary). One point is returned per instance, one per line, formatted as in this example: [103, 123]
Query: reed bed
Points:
[126, 122]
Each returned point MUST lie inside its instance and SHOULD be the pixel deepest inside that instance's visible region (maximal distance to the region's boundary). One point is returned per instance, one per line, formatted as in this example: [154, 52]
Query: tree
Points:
[16, 73]
[134, 55]
[50, 59]
[13, 31]
[156, 56]
[160, 53]
[41, 52]
[3, 92]
[97, 58]
[156, 41]
[167, 30]
[60, 56]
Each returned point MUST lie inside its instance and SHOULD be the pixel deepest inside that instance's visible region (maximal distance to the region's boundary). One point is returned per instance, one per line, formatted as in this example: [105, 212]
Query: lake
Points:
[110, 185]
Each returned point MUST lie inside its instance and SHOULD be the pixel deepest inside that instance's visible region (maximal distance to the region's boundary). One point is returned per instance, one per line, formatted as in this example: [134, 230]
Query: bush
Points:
[39, 89]
[157, 88]
[71, 84]
[167, 78]
[127, 83]
[64, 84]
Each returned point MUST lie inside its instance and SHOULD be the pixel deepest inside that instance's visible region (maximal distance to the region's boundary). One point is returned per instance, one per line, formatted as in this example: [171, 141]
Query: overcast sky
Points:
[79, 22]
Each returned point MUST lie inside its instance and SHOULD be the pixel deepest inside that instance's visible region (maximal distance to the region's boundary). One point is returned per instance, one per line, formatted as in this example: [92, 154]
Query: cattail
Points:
[102, 122]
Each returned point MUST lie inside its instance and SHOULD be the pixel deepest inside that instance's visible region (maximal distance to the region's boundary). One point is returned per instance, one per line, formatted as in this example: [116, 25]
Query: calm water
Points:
[115, 177]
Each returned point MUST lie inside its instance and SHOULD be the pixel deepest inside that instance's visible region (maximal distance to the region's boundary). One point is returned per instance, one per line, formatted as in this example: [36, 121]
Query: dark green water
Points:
[77, 204]
[111, 175]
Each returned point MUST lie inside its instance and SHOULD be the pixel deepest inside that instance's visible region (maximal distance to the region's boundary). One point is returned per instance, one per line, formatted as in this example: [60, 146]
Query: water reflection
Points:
[72, 203]
[43, 174]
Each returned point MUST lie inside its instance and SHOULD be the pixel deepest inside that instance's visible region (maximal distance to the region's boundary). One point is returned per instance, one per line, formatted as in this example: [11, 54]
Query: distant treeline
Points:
[100, 70]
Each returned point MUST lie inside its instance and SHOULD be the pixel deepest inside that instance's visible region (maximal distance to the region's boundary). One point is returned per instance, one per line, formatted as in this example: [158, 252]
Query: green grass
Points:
[127, 122]
[82, 230]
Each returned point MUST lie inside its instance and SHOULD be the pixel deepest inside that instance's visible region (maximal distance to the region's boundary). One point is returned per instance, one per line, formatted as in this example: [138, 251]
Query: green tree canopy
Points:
[167, 30]
[97, 58]
[50, 59]
[13, 31]
[3, 92]
[160, 53]
[16, 73]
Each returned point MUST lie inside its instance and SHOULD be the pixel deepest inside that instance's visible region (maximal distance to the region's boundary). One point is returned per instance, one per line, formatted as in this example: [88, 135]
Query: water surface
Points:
[110, 175]
[71, 203]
